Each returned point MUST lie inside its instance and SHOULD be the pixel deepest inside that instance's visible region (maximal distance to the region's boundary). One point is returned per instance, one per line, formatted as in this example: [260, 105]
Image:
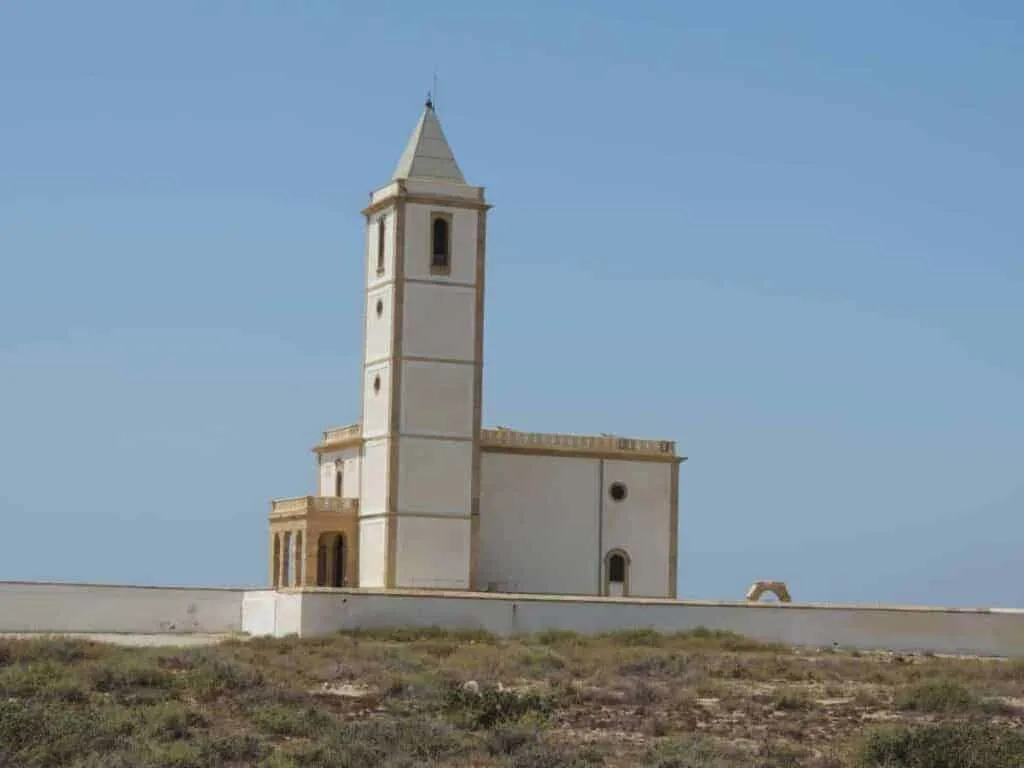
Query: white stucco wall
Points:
[376, 402]
[379, 330]
[984, 632]
[433, 553]
[439, 321]
[373, 476]
[49, 607]
[373, 550]
[539, 524]
[640, 524]
[32, 607]
[418, 243]
[437, 398]
[350, 467]
[259, 612]
[434, 476]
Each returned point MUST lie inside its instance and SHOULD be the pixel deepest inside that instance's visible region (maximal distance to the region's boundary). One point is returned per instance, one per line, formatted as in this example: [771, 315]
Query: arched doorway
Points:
[275, 577]
[616, 570]
[338, 560]
[286, 559]
[331, 560]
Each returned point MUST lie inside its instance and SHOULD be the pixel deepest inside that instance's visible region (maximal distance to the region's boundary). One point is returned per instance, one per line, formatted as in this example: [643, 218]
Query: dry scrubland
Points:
[399, 699]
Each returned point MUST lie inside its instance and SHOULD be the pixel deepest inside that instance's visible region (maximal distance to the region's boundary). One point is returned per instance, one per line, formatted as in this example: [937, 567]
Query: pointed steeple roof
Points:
[427, 155]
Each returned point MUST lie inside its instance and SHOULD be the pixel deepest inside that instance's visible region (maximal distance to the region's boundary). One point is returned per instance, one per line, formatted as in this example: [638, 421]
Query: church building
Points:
[418, 494]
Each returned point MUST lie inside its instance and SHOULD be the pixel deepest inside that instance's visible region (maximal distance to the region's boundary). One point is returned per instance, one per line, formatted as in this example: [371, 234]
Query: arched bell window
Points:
[381, 240]
[440, 243]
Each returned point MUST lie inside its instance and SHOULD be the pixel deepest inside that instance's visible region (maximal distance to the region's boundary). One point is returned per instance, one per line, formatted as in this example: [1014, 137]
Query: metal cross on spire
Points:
[432, 93]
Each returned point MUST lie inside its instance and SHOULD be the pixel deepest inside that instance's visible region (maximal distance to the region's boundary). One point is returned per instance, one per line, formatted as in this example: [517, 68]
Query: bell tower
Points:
[422, 371]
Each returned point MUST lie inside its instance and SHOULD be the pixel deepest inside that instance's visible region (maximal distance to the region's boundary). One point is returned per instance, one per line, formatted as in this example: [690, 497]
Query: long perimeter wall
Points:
[987, 632]
[32, 607]
[103, 608]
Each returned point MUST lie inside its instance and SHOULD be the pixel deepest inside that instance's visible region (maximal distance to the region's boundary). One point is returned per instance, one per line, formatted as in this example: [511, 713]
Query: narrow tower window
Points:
[380, 245]
[338, 476]
[440, 242]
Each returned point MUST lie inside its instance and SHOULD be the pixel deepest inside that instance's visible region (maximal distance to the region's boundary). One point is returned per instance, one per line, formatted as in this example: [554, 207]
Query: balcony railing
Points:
[305, 505]
[342, 434]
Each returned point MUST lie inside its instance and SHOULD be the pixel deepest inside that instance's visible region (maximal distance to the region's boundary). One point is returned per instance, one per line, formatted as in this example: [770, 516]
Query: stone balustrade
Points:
[587, 443]
[306, 505]
[499, 438]
[342, 434]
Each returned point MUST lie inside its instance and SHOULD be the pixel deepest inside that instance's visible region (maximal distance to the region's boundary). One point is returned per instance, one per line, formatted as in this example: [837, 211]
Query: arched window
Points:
[440, 244]
[616, 570]
[339, 469]
[380, 245]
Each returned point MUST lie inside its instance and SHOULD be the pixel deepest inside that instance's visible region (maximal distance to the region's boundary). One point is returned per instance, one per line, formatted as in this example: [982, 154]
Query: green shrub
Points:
[491, 706]
[539, 662]
[414, 634]
[791, 701]
[556, 637]
[231, 748]
[372, 743]
[728, 641]
[169, 721]
[936, 696]
[289, 719]
[946, 745]
[632, 638]
[653, 665]
[44, 680]
[212, 677]
[126, 672]
[543, 755]
[695, 752]
[507, 740]
[41, 734]
[57, 649]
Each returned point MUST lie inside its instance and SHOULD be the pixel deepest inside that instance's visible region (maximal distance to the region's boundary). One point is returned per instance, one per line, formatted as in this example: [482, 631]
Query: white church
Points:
[417, 494]
[423, 518]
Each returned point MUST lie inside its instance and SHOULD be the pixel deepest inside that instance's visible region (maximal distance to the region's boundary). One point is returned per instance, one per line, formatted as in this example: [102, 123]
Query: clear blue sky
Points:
[788, 235]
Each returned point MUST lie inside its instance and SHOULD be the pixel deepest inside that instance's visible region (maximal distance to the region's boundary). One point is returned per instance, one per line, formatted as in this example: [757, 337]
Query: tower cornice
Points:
[449, 201]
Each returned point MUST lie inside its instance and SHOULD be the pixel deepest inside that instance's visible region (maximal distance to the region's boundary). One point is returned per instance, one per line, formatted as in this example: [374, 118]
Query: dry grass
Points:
[399, 699]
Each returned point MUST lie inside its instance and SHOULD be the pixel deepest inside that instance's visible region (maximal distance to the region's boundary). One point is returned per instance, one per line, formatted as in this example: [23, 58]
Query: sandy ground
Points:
[138, 641]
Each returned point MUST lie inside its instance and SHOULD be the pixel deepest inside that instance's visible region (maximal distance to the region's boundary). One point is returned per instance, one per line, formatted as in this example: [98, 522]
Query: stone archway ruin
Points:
[777, 588]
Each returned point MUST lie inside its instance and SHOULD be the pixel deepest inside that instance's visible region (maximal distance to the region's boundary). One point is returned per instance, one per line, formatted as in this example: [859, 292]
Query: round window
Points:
[617, 491]
[380, 307]
[376, 384]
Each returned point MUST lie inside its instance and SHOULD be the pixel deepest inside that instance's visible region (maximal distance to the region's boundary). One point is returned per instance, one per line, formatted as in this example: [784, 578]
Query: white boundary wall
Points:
[33, 607]
[60, 608]
[987, 632]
